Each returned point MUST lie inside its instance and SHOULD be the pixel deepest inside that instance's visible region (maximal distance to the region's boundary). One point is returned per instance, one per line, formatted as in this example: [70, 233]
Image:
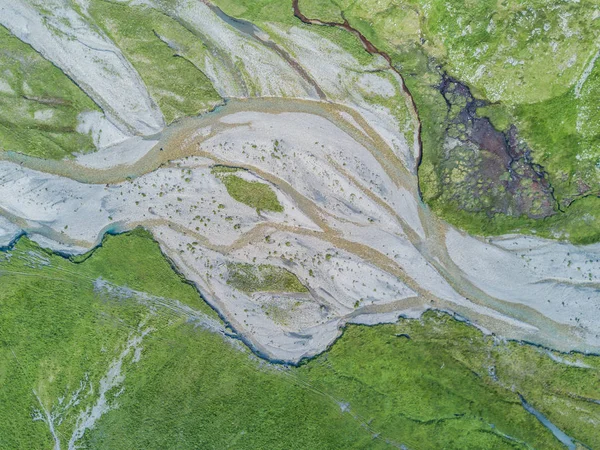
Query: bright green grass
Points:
[144, 35]
[252, 193]
[445, 387]
[193, 390]
[565, 132]
[56, 332]
[565, 137]
[324, 10]
[578, 224]
[218, 170]
[263, 278]
[265, 13]
[39, 105]
[450, 387]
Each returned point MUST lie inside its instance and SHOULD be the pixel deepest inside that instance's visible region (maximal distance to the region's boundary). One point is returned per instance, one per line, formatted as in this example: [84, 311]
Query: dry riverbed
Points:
[351, 228]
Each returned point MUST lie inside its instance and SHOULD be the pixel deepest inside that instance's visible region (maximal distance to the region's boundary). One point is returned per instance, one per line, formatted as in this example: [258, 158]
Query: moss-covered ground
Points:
[533, 62]
[430, 383]
[66, 324]
[59, 333]
[434, 376]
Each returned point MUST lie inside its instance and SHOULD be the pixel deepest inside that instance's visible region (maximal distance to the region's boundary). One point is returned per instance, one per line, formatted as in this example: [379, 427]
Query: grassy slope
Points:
[39, 105]
[528, 56]
[524, 57]
[179, 88]
[559, 126]
[445, 386]
[274, 13]
[258, 11]
[190, 386]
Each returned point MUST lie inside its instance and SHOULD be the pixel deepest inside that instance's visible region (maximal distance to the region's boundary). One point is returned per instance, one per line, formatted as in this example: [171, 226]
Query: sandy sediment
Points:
[123, 153]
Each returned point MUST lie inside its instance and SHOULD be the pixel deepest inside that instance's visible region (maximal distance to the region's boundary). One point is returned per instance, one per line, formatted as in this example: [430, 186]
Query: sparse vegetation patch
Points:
[263, 278]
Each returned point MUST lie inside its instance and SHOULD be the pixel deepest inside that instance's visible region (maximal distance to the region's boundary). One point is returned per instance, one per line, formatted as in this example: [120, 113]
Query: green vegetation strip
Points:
[154, 43]
[39, 104]
[429, 383]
